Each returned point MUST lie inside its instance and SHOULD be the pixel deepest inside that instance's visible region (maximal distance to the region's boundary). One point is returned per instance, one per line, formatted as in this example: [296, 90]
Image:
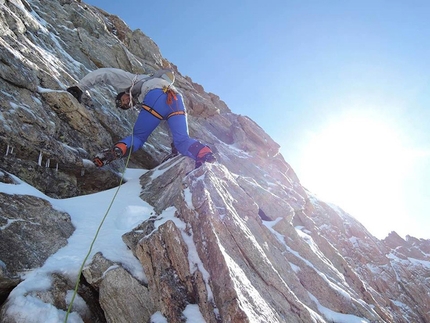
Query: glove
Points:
[107, 156]
[76, 92]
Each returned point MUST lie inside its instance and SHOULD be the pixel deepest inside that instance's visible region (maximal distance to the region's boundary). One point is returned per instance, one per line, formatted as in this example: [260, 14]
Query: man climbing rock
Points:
[158, 99]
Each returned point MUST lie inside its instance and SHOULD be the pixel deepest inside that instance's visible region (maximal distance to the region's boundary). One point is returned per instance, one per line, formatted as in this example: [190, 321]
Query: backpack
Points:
[165, 74]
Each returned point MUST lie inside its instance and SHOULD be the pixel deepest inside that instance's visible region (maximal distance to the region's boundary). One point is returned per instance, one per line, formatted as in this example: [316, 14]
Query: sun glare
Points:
[358, 163]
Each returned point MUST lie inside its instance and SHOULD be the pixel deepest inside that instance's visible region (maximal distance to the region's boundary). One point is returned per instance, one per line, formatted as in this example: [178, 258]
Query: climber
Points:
[159, 100]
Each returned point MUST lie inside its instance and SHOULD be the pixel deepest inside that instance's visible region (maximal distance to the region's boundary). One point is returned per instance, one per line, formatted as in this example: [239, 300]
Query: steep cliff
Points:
[237, 241]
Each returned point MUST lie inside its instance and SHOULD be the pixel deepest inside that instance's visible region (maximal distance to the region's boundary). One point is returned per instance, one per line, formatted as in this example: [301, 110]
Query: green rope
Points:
[75, 291]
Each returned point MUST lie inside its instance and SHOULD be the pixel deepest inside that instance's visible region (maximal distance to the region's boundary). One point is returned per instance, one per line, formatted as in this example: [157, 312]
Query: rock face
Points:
[238, 241]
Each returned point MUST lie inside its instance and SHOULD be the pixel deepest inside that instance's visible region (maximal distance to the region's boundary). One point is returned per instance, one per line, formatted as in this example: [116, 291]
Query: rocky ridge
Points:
[268, 250]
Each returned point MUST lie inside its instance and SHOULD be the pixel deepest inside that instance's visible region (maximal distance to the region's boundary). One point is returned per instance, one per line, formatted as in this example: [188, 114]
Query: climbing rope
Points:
[75, 291]
[133, 82]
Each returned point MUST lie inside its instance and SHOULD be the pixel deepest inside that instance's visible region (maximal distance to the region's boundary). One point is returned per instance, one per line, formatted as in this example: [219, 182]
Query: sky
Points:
[123, 211]
[341, 86]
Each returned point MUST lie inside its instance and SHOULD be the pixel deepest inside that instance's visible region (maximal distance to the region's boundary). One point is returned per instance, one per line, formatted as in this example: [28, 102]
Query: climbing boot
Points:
[109, 155]
[205, 155]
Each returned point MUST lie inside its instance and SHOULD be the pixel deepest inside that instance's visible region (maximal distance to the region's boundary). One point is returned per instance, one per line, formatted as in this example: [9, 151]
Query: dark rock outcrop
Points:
[237, 241]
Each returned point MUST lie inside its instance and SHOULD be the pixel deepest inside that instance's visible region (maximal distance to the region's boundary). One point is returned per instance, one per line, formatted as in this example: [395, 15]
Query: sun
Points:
[358, 162]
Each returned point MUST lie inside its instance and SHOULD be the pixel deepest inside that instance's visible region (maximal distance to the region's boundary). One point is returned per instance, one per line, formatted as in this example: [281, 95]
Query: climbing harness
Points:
[106, 214]
[171, 96]
[152, 111]
[159, 116]
[175, 113]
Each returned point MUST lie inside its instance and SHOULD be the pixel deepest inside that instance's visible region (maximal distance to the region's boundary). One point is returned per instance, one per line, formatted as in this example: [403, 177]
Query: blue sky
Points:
[342, 86]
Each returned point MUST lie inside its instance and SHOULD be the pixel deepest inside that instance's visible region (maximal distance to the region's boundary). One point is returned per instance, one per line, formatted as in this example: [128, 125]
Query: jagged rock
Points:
[241, 240]
[33, 230]
[32, 220]
[7, 282]
[393, 240]
[218, 222]
[59, 296]
[249, 133]
[131, 239]
[6, 178]
[171, 284]
[145, 48]
[112, 283]
[163, 192]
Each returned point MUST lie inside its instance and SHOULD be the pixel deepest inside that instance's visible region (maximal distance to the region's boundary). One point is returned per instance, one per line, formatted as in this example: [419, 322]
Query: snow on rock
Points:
[239, 240]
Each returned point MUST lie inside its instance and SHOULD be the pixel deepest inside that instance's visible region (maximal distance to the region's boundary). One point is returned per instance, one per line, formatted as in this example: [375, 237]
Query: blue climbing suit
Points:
[146, 122]
[159, 100]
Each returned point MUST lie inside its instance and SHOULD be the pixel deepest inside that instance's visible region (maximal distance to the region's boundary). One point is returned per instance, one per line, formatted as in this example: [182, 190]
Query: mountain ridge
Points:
[266, 249]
